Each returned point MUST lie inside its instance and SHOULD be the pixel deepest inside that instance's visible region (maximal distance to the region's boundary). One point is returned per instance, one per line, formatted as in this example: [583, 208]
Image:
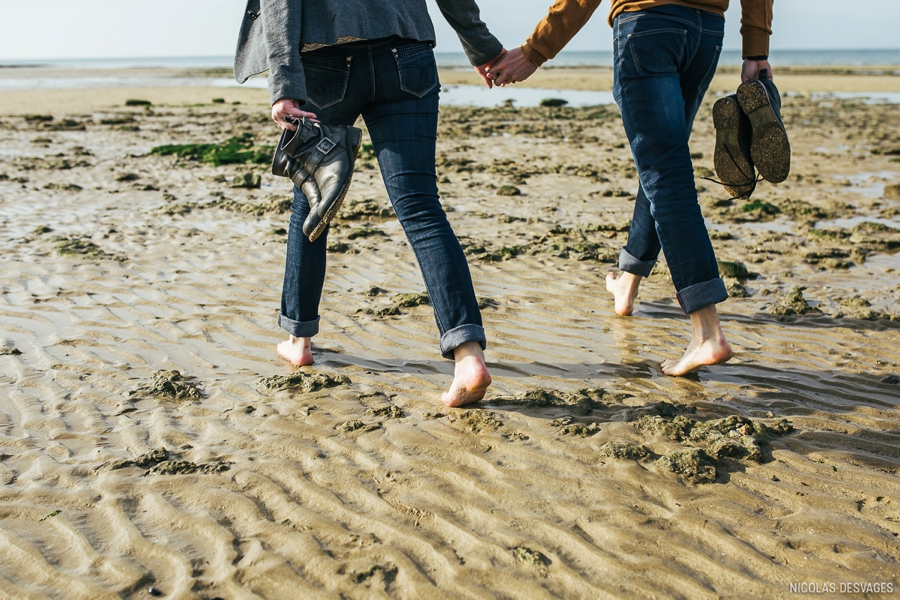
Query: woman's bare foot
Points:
[624, 287]
[708, 344]
[470, 376]
[296, 351]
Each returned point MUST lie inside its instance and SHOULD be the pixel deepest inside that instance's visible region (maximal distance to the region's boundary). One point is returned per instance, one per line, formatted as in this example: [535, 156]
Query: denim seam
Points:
[371, 73]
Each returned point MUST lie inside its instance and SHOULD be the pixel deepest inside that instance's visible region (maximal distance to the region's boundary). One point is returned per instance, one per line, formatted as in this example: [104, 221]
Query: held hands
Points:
[751, 69]
[285, 111]
[482, 70]
[510, 67]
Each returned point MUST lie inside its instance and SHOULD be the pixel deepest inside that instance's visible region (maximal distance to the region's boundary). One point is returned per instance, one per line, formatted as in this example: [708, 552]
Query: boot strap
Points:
[318, 154]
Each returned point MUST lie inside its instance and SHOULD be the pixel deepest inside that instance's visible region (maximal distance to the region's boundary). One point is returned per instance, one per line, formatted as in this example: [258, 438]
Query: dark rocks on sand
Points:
[529, 557]
[356, 425]
[508, 190]
[892, 192]
[388, 412]
[624, 450]
[249, 181]
[137, 102]
[355, 210]
[734, 269]
[568, 426]
[401, 301]
[480, 420]
[364, 232]
[65, 187]
[553, 102]
[307, 382]
[169, 384]
[184, 467]
[794, 304]
[581, 402]
[72, 246]
[693, 464]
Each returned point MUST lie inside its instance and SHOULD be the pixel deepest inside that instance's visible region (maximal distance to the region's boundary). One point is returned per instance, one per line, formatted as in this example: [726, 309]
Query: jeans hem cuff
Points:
[299, 328]
[460, 335]
[701, 295]
[630, 264]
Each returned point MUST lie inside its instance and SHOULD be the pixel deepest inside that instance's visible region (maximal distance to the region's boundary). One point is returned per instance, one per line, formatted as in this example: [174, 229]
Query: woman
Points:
[332, 61]
[665, 54]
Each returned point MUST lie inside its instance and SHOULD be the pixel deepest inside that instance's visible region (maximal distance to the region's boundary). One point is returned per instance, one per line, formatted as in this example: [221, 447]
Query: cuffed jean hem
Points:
[630, 264]
[460, 335]
[299, 328]
[701, 295]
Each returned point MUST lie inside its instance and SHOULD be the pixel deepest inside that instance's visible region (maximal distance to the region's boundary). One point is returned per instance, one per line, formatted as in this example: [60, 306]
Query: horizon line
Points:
[231, 56]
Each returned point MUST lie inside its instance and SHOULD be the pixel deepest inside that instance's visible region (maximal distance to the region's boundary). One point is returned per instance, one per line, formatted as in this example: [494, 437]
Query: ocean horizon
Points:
[593, 58]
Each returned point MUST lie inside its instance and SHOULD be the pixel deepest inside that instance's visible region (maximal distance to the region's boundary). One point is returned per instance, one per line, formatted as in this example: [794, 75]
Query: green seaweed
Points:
[235, 150]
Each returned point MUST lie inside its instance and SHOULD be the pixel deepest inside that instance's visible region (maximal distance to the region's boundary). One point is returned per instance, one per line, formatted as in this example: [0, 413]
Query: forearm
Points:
[564, 19]
[282, 21]
[756, 27]
[478, 42]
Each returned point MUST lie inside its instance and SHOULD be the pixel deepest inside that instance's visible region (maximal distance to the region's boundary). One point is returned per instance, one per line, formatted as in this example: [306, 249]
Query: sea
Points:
[89, 73]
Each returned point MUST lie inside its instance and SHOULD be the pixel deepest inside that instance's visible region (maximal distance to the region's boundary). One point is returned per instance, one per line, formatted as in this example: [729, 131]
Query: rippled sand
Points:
[226, 480]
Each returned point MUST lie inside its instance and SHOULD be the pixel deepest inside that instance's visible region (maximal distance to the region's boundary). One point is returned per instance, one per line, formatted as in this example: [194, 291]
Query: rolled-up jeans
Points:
[664, 60]
[393, 84]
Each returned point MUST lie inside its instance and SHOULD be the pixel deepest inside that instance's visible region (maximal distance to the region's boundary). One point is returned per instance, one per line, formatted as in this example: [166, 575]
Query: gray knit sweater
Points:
[273, 32]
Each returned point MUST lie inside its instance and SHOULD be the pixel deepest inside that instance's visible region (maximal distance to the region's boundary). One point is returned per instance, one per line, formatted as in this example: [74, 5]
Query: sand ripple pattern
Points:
[372, 488]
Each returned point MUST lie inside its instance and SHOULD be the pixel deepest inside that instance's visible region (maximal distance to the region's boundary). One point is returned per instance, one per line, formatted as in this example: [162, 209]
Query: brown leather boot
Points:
[319, 159]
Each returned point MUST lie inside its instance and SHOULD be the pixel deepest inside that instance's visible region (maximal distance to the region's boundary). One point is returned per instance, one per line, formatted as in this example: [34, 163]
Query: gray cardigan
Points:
[274, 30]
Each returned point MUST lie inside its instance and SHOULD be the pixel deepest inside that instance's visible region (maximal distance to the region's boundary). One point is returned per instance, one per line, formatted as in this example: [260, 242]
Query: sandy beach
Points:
[152, 443]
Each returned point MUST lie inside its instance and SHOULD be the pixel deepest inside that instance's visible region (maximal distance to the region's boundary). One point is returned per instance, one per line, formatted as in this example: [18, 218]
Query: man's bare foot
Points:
[296, 351]
[470, 376]
[708, 344]
[624, 287]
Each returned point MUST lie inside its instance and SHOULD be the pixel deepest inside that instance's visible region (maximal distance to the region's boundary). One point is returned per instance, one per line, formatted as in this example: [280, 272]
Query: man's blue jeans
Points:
[394, 85]
[664, 59]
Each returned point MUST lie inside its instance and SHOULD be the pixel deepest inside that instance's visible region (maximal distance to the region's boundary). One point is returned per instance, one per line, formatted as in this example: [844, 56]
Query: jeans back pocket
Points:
[417, 68]
[653, 52]
[326, 78]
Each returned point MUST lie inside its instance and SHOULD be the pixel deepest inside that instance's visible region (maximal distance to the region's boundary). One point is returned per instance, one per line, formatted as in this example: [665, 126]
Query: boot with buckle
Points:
[319, 159]
[770, 148]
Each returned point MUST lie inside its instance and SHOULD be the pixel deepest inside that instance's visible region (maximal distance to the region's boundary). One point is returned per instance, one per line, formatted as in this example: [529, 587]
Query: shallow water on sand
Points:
[244, 476]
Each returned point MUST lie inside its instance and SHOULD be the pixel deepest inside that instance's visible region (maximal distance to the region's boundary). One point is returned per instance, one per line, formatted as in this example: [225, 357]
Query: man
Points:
[665, 55]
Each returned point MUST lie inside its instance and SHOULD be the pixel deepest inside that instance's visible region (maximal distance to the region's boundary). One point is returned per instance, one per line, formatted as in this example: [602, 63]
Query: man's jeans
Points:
[394, 85]
[664, 59]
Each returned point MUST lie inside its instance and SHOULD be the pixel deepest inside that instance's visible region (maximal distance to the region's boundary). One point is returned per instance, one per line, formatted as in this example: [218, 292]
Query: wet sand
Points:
[150, 437]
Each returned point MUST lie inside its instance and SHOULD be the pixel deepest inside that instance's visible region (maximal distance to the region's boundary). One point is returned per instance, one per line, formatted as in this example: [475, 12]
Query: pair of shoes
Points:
[319, 159]
[750, 137]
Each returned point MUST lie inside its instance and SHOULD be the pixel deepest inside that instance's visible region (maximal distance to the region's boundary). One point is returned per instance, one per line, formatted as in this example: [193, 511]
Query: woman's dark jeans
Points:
[394, 85]
[665, 58]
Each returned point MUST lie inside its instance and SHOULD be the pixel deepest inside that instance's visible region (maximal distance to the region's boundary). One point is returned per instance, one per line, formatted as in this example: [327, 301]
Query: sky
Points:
[44, 29]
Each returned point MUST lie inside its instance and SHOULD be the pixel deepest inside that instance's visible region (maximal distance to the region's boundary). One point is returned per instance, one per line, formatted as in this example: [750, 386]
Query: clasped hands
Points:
[508, 67]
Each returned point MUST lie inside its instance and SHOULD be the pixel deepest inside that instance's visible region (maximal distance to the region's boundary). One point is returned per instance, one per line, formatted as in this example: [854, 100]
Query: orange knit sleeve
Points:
[564, 19]
[756, 26]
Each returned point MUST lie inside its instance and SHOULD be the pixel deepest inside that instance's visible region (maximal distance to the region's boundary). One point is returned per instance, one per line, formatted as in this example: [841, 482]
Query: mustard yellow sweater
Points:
[566, 17]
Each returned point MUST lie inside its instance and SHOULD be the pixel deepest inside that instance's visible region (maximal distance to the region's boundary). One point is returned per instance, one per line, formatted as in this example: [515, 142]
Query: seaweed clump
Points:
[185, 467]
[733, 436]
[581, 402]
[235, 150]
[169, 384]
[794, 304]
[693, 464]
[307, 382]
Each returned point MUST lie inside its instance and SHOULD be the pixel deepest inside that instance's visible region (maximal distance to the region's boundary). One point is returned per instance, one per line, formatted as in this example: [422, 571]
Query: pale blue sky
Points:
[35, 29]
